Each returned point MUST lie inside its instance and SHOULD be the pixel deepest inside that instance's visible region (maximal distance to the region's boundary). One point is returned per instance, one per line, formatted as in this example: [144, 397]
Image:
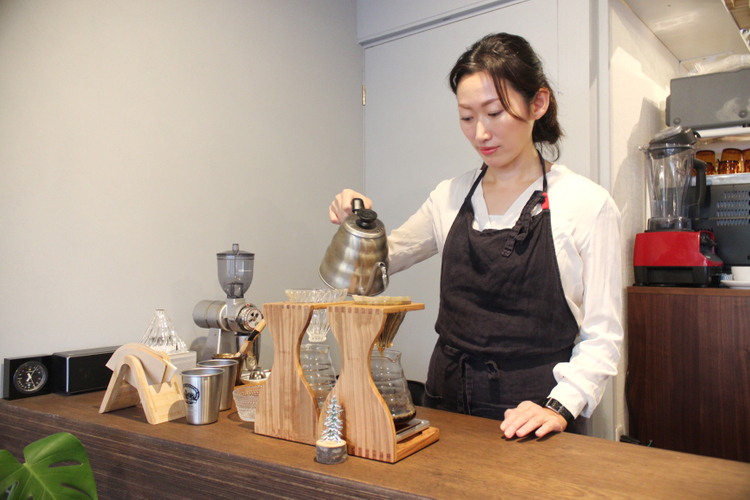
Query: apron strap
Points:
[521, 230]
[466, 374]
[464, 394]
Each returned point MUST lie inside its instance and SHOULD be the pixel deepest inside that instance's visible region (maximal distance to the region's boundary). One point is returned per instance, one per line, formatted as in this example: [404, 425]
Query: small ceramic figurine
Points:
[331, 447]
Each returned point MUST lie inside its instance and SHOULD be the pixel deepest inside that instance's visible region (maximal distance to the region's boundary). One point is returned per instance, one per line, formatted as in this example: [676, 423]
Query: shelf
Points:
[691, 29]
[729, 134]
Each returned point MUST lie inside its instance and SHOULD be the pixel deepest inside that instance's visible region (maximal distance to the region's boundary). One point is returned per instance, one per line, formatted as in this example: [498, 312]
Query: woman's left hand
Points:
[528, 417]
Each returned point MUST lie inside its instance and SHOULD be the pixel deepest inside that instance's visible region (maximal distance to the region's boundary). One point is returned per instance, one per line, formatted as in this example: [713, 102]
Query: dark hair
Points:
[510, 58]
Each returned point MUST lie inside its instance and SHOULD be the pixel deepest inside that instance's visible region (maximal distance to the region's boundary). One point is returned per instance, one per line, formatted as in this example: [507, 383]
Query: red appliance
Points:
[670, 252]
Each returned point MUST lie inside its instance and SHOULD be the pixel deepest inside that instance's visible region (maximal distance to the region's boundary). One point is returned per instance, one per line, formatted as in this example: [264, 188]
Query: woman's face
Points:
[500, 138]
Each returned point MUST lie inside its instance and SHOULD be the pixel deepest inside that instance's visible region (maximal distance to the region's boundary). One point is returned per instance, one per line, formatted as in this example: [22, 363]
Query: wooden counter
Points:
[226, 460]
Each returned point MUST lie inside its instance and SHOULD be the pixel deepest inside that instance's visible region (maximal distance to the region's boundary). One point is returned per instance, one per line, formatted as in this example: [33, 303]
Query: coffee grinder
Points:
[670, 252]
[230, 321]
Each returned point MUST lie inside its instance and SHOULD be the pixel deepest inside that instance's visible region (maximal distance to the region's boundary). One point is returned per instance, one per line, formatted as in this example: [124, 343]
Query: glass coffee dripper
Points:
[161, 335]
[388, 376]
[318, 329]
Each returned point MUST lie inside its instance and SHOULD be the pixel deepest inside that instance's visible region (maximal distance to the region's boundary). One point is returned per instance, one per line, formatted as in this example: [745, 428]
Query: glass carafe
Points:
[317, 368]
[389, 378]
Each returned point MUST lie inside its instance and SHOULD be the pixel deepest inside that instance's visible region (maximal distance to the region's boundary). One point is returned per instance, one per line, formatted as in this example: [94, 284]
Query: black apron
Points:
[503, 322]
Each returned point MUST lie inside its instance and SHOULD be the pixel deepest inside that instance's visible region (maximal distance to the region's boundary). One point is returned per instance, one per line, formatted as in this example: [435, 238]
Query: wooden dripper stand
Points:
[287, 408]
[369, 429]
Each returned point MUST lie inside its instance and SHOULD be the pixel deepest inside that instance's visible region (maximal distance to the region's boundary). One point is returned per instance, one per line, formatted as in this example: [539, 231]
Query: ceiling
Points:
[692, 29]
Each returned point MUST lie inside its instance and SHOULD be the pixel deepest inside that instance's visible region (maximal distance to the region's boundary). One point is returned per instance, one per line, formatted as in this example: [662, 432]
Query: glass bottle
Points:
[731, 161]
[709, 158]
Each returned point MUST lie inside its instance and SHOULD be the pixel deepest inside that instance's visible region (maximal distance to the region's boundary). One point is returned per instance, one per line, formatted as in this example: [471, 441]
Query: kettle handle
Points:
[366, 217]
[357, 204]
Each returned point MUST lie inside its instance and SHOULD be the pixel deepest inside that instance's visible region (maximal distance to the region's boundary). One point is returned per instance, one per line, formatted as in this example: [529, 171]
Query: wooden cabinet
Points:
[688, 379]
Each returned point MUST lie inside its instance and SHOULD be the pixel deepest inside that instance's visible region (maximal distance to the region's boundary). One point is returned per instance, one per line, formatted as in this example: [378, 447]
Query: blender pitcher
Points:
[672, 155]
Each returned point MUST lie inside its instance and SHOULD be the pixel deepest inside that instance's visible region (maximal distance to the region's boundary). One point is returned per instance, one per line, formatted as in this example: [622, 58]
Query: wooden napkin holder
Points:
[142, 375]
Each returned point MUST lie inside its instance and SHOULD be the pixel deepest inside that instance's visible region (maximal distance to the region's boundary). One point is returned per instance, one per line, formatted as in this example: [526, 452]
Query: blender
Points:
[230, 321]
[670, 252]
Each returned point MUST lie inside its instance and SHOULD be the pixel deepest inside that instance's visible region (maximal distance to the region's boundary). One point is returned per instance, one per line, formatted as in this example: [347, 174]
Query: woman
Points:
[530, 257]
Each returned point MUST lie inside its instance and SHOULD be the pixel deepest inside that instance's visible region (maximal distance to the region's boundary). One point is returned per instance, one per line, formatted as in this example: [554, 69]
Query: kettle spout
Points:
[380, 266]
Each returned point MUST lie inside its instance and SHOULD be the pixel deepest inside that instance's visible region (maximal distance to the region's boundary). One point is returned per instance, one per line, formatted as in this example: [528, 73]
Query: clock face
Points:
[30, 377]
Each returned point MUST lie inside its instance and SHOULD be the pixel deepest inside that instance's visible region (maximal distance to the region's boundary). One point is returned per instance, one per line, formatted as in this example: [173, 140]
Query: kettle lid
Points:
[364, 228]
[363, 222]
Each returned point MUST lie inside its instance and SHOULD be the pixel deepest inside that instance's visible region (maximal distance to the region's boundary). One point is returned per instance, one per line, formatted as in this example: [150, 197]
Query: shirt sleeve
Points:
[415, 240]
[582, 380]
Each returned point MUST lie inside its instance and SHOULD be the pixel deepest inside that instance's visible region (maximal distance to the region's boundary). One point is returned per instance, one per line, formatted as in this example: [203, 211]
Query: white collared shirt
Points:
[586, 232]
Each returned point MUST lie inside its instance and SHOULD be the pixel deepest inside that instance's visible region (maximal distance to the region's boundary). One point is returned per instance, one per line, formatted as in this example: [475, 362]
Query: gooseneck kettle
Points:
[357, 258]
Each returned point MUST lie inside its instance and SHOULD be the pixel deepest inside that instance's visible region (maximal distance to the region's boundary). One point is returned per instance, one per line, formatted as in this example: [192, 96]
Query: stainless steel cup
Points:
[202, 389]
[228, 378]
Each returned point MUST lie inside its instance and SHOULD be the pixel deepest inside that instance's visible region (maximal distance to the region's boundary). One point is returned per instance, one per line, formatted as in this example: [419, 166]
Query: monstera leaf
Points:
[56, 468]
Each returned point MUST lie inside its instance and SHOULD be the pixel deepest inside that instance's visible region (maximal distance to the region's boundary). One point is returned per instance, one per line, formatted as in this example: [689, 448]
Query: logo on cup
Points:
[192, 394]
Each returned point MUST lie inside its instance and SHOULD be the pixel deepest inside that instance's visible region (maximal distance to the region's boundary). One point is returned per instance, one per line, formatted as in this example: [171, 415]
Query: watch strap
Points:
[558, 408]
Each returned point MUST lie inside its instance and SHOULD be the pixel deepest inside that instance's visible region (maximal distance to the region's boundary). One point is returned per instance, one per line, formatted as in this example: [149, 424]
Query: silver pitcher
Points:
[357, 258]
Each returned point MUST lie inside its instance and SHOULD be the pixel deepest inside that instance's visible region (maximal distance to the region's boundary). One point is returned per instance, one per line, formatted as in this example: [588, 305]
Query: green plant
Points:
[56, 468]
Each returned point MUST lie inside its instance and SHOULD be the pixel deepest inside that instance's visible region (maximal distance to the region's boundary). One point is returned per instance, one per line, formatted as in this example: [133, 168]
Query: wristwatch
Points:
[558, 408]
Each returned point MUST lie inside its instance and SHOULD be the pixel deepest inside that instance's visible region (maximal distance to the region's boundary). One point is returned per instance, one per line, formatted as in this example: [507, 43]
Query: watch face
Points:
[30, 377]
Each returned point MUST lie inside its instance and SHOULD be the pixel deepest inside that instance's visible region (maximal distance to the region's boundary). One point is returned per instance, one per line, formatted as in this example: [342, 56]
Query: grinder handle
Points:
[251, 337]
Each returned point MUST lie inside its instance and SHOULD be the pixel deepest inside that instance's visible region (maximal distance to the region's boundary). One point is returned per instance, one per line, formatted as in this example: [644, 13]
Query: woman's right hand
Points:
[341, 208]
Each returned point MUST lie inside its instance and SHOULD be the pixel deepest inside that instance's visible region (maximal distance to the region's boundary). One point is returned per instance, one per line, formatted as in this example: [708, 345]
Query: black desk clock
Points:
[27, 376]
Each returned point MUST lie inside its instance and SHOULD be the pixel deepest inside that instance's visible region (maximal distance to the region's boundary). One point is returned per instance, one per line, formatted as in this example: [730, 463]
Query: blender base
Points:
[676, 258]
[678, 276]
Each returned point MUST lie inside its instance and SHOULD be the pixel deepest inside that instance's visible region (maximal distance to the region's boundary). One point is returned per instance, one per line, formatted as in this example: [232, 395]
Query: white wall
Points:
[140, 138]
[641, 68]
[382, 19]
